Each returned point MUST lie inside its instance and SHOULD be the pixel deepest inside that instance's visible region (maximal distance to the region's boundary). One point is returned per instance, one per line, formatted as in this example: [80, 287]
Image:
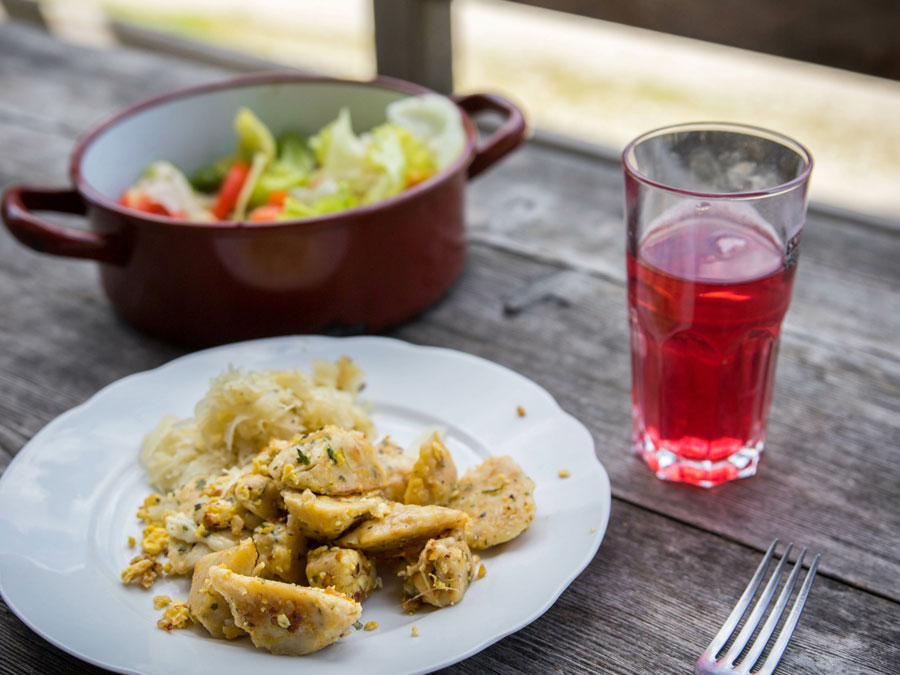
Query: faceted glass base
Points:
[668, 465]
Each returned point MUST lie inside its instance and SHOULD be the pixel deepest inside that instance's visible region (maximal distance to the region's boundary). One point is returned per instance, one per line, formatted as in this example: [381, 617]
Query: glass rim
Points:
[734, 127]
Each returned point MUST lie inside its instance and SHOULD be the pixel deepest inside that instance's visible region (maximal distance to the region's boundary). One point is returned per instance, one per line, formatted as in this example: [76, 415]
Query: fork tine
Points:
[788, 629]
[761, 605]
[769, 626]
[728, 627]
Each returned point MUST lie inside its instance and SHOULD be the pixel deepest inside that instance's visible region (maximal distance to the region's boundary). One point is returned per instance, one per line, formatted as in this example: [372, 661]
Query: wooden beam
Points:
[413, 42]
[26, 11]
[861, 35]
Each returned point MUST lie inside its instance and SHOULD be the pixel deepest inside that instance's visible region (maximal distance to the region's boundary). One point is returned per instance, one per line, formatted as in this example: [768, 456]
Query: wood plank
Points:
[54, 306]
[578, 224]
[602, 625]
[860, 37]
[412, 41]
[89, 84]
[681, 584]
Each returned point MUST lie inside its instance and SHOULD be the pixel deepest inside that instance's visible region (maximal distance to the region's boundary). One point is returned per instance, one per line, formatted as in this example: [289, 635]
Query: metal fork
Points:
[707, 664]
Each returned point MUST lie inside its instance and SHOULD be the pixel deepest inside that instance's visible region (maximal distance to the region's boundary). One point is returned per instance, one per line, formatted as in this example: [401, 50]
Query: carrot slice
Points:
[277, 197]
[266, 213]
[139, 201]
[230, 190]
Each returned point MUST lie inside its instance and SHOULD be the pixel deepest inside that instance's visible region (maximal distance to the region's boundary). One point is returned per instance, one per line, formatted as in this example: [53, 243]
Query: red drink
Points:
[714, 213]
[706, 296]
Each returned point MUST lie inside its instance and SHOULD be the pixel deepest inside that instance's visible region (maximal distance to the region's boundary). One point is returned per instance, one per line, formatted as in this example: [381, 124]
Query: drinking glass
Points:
[714, 214]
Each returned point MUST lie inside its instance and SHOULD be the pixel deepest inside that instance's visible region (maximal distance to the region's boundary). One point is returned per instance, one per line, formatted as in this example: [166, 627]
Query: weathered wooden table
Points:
[543, 293]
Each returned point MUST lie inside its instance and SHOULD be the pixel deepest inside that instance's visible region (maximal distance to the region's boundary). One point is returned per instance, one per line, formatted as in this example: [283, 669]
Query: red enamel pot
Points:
[362, 270]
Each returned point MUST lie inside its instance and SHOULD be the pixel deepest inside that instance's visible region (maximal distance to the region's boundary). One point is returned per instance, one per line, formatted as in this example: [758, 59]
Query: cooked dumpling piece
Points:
[285, 618]
[330, 461]
[397, 468]
[259, 494]
[499, 498]
[282, 549]
[441, 574]
[403, 526]
[433, 477]
[343, 569]
[322, 518]
[210, 608]
[184, 557]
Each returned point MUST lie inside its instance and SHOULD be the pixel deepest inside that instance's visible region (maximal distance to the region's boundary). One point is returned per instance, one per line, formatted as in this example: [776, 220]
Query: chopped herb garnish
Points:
[331, 455]
[215, 605]
[358, 625]
[303, 459]
[196, 507]
[491, 491]
[182, 549]
[184, 528]
[200, 483]
[341, 477]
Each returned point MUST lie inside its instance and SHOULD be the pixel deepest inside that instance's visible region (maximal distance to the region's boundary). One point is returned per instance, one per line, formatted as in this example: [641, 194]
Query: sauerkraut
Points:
[243, 411]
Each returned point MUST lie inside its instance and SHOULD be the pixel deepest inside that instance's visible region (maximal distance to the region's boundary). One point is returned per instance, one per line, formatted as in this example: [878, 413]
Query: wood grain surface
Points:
[543, 293]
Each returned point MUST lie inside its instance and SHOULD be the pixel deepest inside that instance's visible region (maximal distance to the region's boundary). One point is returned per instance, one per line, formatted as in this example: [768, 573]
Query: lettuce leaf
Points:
[295, 151]
[435, 121]
[374, 166]
[420, 161]
[254, 137]
[291, 169]
[385, 164]
[339, 152]
[277, 176]
[397, 159]
[328, 196]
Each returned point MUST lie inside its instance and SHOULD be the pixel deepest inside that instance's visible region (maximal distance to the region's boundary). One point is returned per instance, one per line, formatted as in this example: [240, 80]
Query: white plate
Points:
[68, 502]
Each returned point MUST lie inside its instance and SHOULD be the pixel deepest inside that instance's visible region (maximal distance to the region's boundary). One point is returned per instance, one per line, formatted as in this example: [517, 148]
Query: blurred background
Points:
[580, 79]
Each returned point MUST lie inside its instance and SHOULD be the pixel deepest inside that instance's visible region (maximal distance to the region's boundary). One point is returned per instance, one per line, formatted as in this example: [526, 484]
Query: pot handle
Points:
[45, 237]
[505, 139]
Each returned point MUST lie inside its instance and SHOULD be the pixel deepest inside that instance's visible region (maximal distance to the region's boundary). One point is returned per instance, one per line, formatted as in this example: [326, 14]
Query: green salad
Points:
[266, 179]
